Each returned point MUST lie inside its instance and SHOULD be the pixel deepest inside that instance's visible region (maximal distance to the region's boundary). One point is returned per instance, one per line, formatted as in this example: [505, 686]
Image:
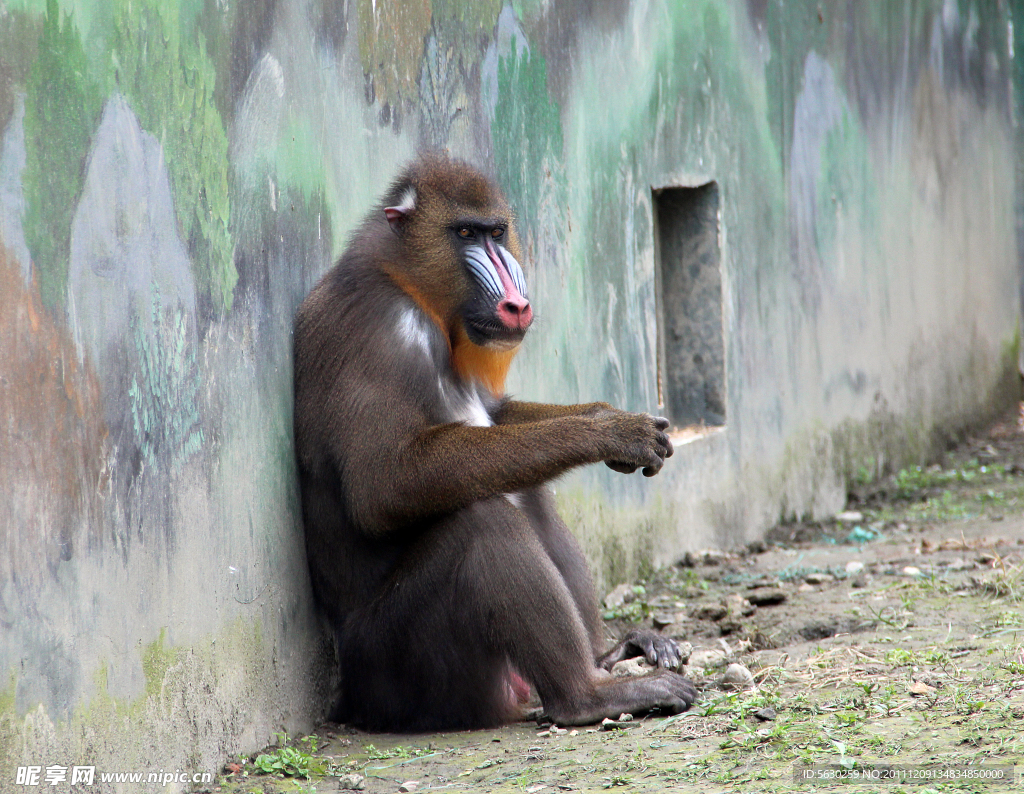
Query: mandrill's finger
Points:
[654, 468]
[621, 467]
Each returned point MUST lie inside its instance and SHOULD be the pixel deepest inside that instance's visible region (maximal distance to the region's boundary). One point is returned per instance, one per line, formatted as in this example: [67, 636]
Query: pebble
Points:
[766, 596]
[818, 578]
[676, 630]
[850, 516]
[409, 785]
[608, 724]
[713, 556]
[352, 781]
[685, 649]
[688, 560]
[757, 547]
[737, 677]
[711, 611]
[767, 714]
[920, 688]
[622, 594]
[854, 566]
[662, 619]
[631, 668]
[707, 657]
[738, 605]
[911, 570]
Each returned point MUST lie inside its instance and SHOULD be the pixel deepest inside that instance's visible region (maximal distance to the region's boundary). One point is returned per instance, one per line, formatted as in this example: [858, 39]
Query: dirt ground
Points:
[891, 636]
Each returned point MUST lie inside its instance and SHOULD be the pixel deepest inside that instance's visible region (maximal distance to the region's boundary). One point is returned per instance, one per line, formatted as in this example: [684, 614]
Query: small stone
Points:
[624, 717]
[711, 611]
[685, 649]
[738, 605]
[713, 557]
[850, 516]
[767, 714]
[535, 788]
[766, 596]
[737, 677]
[859, 582]
[805, 588]
[409, 785]
[818, 578]
[707, 658]
[661, 619]
[688, 560]
[352, 782]
[622, 594]
[854, 567]
[911, 570]
[728, 626]
[919, 688]
[608, 724]
[757, 547]
[676, 631]
[631, 668]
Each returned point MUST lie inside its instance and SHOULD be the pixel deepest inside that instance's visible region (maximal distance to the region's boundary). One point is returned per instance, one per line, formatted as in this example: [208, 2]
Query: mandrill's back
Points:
[346, 374]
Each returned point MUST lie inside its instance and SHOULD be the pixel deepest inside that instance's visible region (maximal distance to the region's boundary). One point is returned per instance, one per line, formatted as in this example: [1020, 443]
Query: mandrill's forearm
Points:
[515, 412]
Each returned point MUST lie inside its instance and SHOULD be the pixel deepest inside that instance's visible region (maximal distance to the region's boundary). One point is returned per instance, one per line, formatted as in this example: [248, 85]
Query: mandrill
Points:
[434, 550]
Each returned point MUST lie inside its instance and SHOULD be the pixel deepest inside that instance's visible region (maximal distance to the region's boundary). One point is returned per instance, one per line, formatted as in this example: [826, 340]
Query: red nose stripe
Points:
[513, 310]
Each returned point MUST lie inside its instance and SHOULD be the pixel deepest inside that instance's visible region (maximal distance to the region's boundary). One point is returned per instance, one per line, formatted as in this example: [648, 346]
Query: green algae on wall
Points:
[169, 82]
[526, 130]
[62, 108]
[225, 672]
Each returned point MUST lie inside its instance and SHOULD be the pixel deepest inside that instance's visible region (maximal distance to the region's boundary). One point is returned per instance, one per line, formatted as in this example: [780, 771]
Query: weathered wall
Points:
[175, 175]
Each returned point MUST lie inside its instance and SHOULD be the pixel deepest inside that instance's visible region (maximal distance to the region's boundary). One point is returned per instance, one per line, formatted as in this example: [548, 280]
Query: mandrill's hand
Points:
[635, 441]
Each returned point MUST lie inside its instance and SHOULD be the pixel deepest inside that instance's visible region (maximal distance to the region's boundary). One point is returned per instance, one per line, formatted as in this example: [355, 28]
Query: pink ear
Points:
[395, 216]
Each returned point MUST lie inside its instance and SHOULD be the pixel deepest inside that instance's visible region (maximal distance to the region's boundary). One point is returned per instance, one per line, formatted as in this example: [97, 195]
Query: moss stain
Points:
[62, 109]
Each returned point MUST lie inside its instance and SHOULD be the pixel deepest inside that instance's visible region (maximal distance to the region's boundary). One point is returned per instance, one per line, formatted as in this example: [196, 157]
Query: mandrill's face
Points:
[498, 310]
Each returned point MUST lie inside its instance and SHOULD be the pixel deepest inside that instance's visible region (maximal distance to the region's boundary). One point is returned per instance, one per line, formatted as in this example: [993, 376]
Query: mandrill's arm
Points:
[407, 470]
[514, 412]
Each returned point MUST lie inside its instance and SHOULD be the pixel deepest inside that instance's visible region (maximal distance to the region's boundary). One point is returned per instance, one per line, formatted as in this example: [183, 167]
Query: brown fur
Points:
[444, 594]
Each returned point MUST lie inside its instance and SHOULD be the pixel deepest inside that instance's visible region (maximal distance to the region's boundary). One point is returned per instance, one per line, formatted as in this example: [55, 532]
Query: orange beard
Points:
[481, 364]
[471, 362]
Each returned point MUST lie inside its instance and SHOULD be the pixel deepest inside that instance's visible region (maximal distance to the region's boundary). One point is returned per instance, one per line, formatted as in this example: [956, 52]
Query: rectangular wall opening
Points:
[691, 355]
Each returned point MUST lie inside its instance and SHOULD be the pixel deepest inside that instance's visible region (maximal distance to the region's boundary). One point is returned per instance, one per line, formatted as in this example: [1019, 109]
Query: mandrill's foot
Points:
[657, 649]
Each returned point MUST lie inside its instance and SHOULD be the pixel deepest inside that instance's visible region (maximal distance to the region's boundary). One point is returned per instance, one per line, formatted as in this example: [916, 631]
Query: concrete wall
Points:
[175, 175]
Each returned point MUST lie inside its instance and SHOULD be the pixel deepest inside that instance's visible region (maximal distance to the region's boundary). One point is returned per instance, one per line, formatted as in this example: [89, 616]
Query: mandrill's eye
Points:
[497, 233]
[465, 232]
